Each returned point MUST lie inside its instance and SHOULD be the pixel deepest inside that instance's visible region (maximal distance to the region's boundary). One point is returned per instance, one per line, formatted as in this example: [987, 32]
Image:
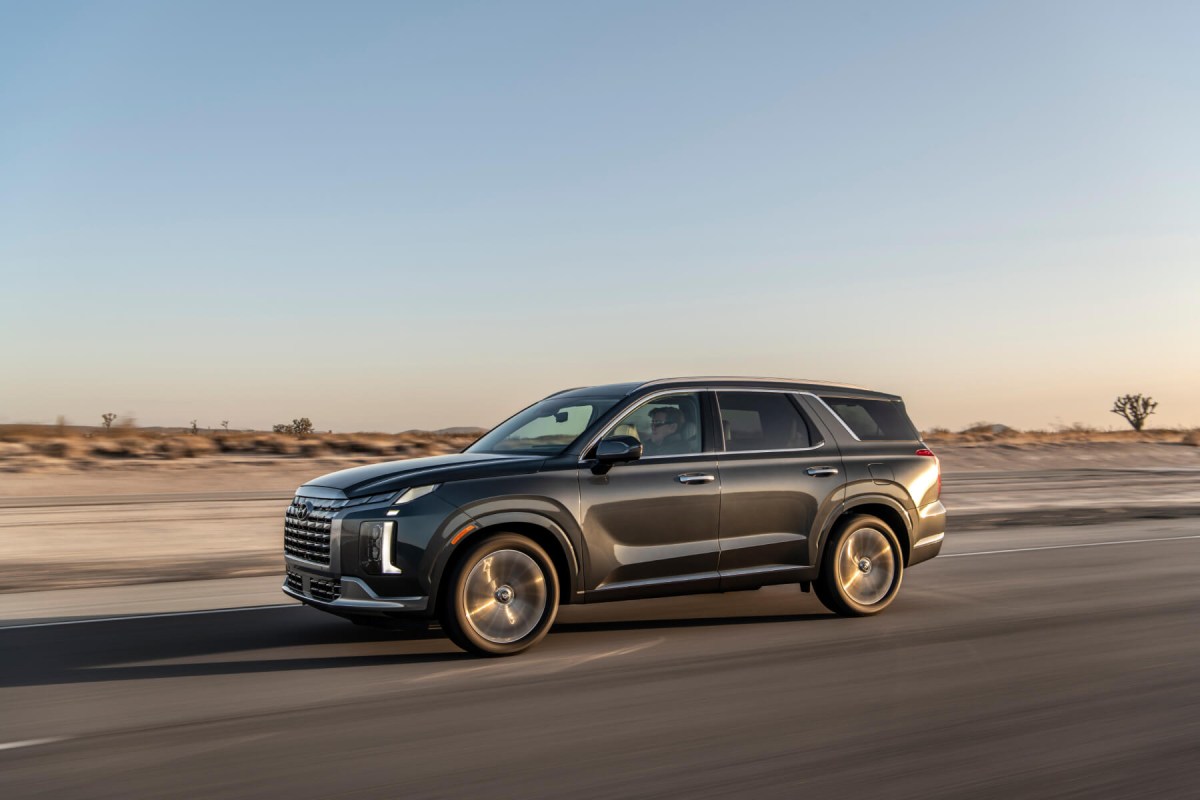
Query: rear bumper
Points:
[353, 597]
[928, 533]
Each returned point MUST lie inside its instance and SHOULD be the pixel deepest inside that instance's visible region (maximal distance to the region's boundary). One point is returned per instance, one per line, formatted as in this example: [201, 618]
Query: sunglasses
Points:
[658, 423]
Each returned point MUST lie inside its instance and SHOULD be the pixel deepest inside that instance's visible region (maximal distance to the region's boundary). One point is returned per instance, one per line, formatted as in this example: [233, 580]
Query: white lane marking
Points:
[575, 661]
[145, 616]
[433, 676]
[29, 743]
[541, 666]
[1068, 546]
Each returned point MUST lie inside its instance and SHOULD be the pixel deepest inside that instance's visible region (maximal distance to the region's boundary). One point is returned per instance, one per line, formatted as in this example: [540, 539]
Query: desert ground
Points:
[111, 508]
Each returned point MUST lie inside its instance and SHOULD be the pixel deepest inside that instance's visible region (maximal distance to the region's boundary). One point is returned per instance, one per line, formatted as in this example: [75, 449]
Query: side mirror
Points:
[615, 450]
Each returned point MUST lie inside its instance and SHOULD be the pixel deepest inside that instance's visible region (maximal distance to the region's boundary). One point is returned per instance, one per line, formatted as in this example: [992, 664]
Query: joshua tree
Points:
[300, 427]
[1134, 408]
[108, 419]
[195, 430]
[225, 425]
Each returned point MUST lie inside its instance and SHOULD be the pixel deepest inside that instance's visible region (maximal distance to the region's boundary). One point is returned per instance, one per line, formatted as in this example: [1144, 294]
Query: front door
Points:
[650, 526]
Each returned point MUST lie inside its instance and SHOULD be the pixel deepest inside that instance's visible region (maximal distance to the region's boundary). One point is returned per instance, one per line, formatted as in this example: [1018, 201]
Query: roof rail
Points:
[764, 380]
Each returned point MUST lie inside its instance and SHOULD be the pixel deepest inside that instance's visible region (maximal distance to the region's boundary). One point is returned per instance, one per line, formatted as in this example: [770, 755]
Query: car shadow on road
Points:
[690, 622]
[281, 641]
[254, 641]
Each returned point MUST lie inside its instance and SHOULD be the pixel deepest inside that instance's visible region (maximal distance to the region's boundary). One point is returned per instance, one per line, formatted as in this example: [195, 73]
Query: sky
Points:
[389, 215]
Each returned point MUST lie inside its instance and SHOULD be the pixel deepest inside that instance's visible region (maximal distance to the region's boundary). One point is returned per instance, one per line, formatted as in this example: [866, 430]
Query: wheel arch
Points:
[887, 509]
[541, 530]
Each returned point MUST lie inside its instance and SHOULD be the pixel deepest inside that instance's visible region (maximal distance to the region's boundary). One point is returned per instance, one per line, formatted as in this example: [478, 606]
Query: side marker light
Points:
[463, 532]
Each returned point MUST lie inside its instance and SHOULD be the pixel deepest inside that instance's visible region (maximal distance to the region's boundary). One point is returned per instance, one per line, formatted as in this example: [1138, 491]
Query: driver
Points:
[666, 432]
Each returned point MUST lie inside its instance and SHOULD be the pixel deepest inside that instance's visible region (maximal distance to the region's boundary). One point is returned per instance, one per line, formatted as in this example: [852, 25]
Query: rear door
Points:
[650, 526]
[781, 477]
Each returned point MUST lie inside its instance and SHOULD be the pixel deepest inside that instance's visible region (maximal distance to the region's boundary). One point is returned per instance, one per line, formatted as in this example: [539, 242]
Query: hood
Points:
[396, 475]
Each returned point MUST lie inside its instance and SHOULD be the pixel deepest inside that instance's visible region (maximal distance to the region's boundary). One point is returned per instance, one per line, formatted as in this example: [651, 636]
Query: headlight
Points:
[375, 547]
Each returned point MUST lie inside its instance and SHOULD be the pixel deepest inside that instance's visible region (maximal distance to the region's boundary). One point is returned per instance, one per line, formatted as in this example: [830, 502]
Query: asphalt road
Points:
[1001, 671]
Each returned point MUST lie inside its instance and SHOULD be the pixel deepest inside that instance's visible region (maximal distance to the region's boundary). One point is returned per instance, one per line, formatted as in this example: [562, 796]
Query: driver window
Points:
[666, 426]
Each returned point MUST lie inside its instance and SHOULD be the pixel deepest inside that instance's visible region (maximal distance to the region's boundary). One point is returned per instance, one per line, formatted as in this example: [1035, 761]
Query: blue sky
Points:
[396, 215]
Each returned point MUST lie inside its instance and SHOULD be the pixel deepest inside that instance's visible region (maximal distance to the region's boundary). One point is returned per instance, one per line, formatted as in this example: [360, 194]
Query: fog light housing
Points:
[375, 548]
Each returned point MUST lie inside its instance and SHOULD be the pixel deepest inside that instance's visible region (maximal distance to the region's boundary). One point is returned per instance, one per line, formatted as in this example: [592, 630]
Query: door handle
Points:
[695, 477]
[821, 472]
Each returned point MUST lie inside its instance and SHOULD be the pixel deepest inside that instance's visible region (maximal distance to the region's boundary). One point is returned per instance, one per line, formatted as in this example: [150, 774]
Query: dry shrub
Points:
[58, 448]
[310, 448]
[14, 449]
[185, 446]
[278, 445]
[1192, 438]
[125, 447]
[367, 445]
[241, 443]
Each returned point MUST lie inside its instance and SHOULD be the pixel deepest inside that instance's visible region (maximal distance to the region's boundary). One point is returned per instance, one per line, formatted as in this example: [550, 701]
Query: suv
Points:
[626, 491]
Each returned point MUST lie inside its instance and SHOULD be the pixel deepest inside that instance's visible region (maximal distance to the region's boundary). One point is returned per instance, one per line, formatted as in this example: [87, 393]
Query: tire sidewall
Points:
[454, 616]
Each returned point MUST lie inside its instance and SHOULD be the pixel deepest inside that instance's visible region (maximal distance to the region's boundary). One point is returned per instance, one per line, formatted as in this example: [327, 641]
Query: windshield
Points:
[545, 428]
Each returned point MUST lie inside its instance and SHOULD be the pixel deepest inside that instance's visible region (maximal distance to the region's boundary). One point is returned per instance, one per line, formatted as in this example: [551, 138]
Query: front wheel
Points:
[861, 568]
[502, 597]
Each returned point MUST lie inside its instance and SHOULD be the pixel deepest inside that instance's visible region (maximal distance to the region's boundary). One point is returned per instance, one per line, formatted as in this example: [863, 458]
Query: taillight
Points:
[929, 454]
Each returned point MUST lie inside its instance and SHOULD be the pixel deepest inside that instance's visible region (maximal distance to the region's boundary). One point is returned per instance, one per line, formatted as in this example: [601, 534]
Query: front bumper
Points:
[352, 596]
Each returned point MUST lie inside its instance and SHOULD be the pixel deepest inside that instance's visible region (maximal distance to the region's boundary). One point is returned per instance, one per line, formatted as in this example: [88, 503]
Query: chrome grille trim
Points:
[325, 590]
[306, 534]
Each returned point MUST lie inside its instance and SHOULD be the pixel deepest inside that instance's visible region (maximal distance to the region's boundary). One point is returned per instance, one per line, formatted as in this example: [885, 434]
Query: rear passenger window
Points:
[762, 421]
[873, 419]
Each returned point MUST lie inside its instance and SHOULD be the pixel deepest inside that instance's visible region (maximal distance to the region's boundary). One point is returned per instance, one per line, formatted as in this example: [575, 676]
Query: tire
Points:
[861, 568]
[502, 597]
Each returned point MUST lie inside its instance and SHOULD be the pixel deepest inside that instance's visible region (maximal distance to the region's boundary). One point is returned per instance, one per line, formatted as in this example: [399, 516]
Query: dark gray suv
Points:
[627, 491]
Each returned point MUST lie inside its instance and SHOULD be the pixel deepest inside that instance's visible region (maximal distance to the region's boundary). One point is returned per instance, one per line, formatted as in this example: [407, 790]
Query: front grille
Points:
[306, 526]
[325, 589]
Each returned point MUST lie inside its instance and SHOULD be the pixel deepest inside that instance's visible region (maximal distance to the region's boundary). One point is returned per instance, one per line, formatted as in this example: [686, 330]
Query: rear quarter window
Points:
[873, 419]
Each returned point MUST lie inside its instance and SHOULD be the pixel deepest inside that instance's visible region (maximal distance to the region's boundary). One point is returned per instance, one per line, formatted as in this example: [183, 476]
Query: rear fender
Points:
[863, 503]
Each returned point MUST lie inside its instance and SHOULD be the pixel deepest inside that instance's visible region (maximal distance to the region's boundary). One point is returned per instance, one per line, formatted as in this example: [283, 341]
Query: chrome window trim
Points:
[834, 413]
[716, 390]
[722, 451]
[641, 402]
[780, 450]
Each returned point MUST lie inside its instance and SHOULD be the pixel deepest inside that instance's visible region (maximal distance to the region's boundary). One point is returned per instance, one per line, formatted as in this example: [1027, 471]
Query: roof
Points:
[793, 384]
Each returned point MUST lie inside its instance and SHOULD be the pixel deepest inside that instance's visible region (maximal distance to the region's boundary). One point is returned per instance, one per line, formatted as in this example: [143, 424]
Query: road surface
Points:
[1023, 662]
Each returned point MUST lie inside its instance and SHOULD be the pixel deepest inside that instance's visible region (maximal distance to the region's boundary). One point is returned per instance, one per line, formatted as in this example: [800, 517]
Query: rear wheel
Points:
[502, 597]
[861, 568]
